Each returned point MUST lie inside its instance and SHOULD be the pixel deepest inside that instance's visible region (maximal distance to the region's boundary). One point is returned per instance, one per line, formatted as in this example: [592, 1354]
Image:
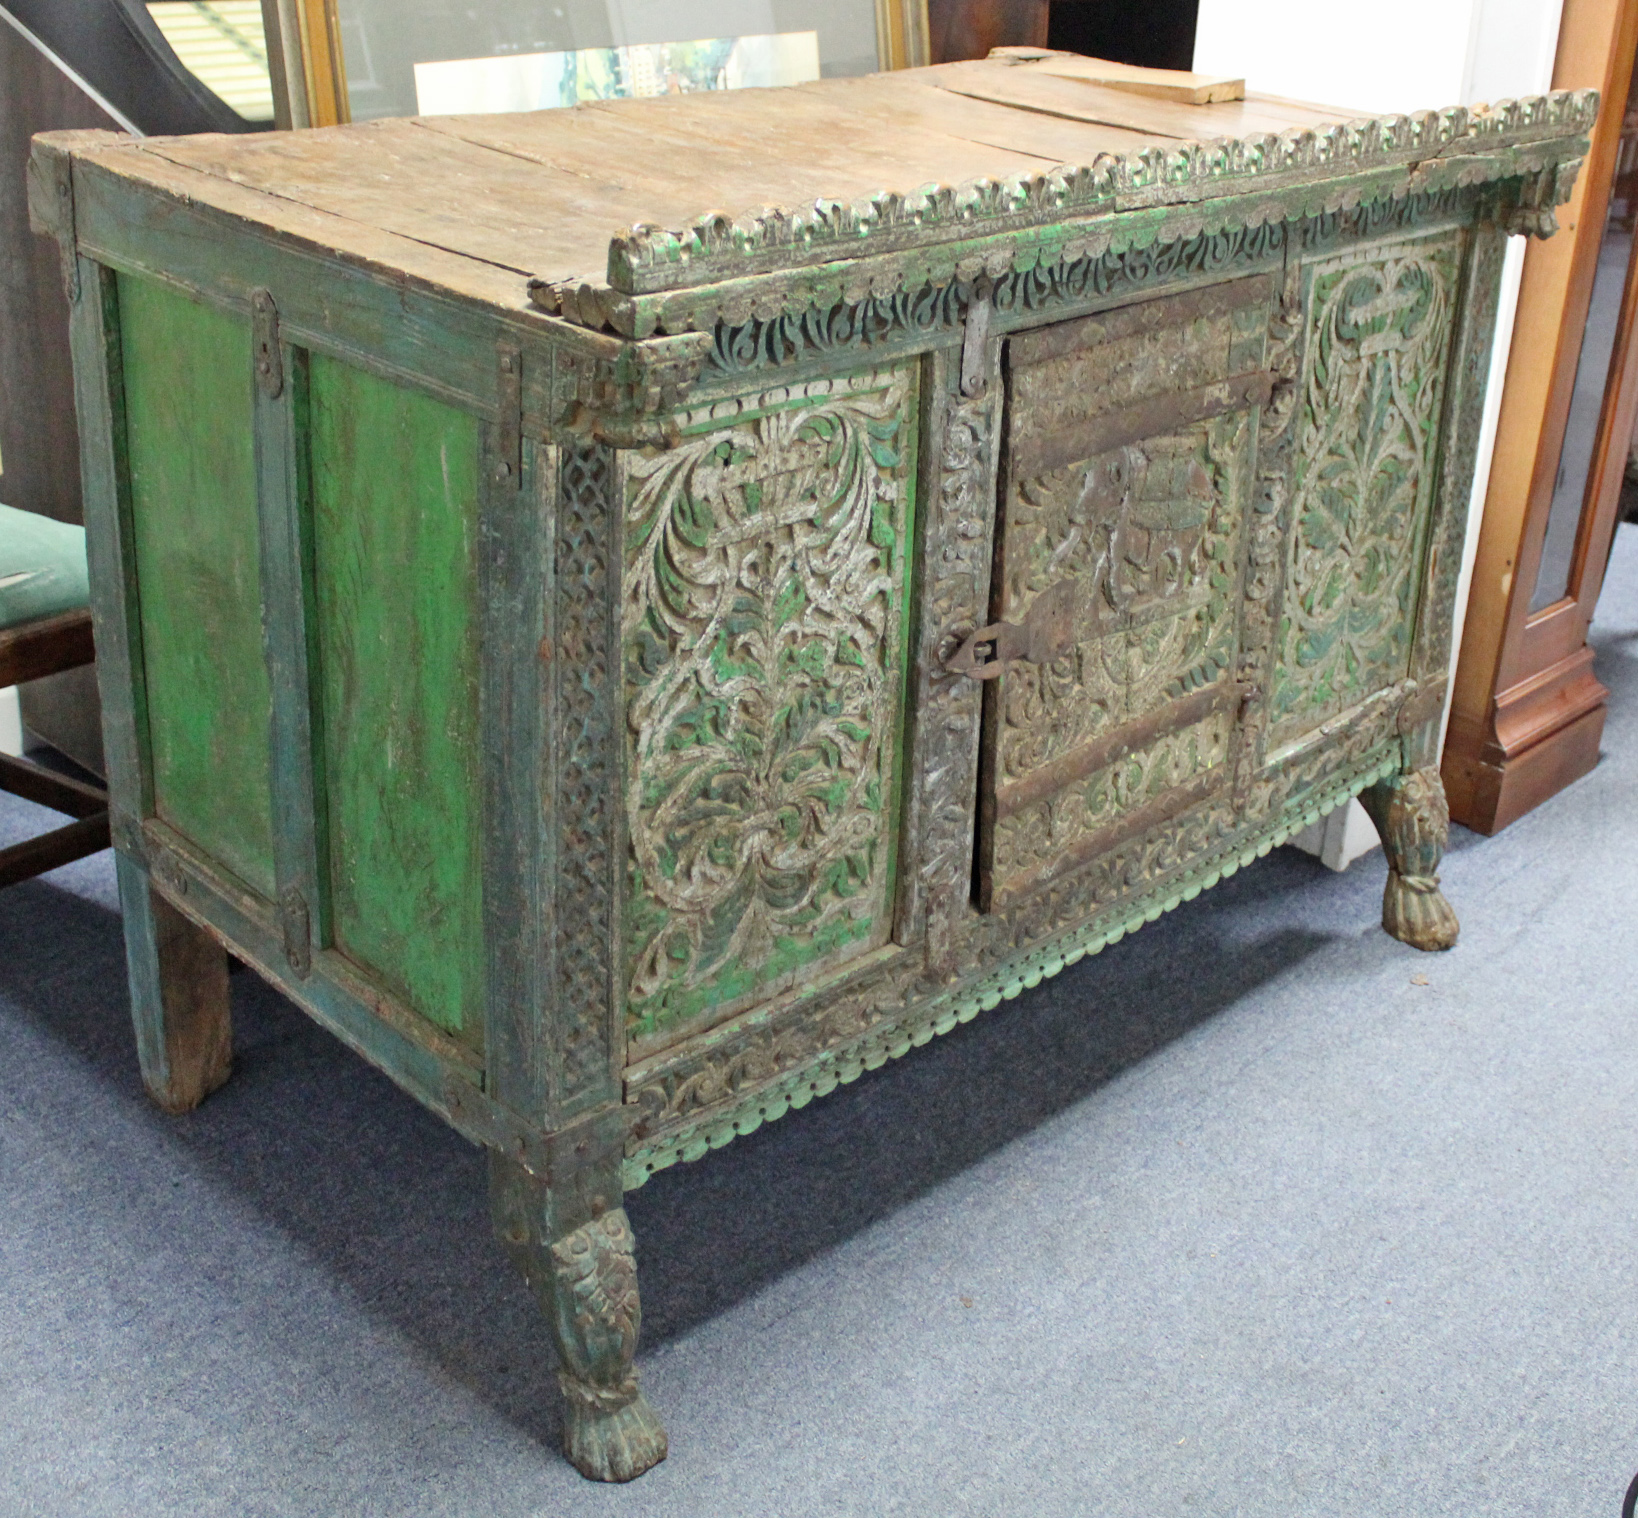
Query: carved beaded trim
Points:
[718, 246]
[893, 1038]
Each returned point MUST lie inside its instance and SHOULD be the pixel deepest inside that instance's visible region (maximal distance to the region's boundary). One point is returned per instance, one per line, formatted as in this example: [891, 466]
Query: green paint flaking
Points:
[395, 501]
[767, 717]
[193, 499]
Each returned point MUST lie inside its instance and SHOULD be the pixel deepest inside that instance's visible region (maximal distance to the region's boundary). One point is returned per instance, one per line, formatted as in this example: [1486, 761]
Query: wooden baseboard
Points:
[1486, 794]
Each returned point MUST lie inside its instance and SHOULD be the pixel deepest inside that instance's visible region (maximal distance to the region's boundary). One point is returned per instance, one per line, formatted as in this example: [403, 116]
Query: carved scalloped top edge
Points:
[649, 259]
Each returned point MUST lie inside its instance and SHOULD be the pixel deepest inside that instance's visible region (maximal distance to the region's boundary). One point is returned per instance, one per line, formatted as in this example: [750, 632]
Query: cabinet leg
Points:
[1410, 813]
[179, 995]
[575, 1251]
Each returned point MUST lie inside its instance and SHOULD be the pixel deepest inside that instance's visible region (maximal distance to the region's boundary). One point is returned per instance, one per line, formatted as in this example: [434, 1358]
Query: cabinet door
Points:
[1365, 466]
[1112, 704]
[766, 578]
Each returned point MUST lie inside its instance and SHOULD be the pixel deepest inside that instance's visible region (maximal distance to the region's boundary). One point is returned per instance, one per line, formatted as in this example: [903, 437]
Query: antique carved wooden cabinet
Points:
[627, 667]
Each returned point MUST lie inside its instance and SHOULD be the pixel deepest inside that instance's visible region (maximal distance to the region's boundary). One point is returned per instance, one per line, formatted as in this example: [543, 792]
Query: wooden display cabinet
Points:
[1527, 709]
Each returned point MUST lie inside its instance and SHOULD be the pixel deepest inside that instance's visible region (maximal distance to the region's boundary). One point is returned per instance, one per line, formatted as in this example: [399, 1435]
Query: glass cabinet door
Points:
[1574, 489]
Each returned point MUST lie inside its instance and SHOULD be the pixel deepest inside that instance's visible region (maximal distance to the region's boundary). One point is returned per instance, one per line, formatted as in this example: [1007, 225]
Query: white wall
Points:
[1463, 52]
[1341, 54]
[11, 722]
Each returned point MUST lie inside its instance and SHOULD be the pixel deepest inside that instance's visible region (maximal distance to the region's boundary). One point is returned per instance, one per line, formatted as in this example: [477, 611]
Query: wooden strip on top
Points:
[1014, 85]
[1163, 84]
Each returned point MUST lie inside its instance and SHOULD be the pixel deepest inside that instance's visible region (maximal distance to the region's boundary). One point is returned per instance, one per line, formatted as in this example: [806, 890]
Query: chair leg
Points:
[179, 995]
[23, 861]
[89, 835]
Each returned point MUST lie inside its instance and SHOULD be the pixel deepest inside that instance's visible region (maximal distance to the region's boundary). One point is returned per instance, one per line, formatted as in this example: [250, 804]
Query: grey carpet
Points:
[1238, 1217]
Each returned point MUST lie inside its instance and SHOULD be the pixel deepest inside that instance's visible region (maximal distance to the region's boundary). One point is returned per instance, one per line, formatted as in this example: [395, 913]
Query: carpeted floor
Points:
[1240, 1217]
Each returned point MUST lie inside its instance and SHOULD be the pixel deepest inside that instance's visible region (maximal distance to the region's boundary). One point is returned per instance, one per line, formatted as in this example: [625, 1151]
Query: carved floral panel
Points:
[767, 568]
[1370, 398]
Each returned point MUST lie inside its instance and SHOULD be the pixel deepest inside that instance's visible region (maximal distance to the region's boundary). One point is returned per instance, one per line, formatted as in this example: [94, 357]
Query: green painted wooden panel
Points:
[395, 513]
[193, 507]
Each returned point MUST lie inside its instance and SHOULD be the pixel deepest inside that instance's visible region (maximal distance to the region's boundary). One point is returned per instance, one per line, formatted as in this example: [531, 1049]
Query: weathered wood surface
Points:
[1163, 84]
[543, 193]
[180, 999]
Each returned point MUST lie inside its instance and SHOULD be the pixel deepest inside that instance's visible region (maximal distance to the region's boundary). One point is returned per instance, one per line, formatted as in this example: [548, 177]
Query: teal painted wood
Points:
[588, 847]
[279, 420]
[179, 994]
[515, 590]
[99, 392]
[142, 969]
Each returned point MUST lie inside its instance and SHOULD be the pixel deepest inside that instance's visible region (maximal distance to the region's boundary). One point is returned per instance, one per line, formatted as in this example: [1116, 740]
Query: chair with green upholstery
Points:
[45, 627]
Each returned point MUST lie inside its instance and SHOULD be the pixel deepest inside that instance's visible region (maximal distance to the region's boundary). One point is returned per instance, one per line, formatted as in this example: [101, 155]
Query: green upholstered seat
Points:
[42, 567]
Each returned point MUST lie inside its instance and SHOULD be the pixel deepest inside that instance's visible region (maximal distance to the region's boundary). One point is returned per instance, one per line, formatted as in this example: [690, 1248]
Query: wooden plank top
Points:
[541, 192]
[585, 193]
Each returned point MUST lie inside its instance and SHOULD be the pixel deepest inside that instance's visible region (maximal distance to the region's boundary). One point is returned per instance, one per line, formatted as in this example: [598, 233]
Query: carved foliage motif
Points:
[1367, 438]
[717, 246]
[767, 1071]
[599, 1313]
[1086, 273]
[1268, 519]
[1151, 536]
[1145, 539]
[762, 630]
[1035, 838]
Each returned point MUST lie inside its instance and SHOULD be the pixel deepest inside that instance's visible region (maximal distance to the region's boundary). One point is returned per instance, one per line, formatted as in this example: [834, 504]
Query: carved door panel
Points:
[1128, 467]
[1365, 457]
[766, 575]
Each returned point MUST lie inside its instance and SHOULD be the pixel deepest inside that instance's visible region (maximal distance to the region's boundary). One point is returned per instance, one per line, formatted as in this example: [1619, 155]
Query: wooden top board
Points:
[1163, 84]
[541, 193]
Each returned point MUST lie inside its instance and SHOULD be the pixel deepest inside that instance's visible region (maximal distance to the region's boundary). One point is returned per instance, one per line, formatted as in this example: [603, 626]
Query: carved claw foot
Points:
[1411, 814]
[608, 1438]
[585, 1278]
[610, 1433]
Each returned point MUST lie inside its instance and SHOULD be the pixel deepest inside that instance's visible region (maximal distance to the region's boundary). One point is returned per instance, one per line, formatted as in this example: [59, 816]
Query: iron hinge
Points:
[296, 924]
[509, 416]
[264, 326]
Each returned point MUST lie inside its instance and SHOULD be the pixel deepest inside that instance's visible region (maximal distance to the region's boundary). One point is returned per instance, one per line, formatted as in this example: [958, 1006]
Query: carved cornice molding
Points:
[1534, 139]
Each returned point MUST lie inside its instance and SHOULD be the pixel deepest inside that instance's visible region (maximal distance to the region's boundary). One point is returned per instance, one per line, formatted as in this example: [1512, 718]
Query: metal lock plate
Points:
[1046, 633]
